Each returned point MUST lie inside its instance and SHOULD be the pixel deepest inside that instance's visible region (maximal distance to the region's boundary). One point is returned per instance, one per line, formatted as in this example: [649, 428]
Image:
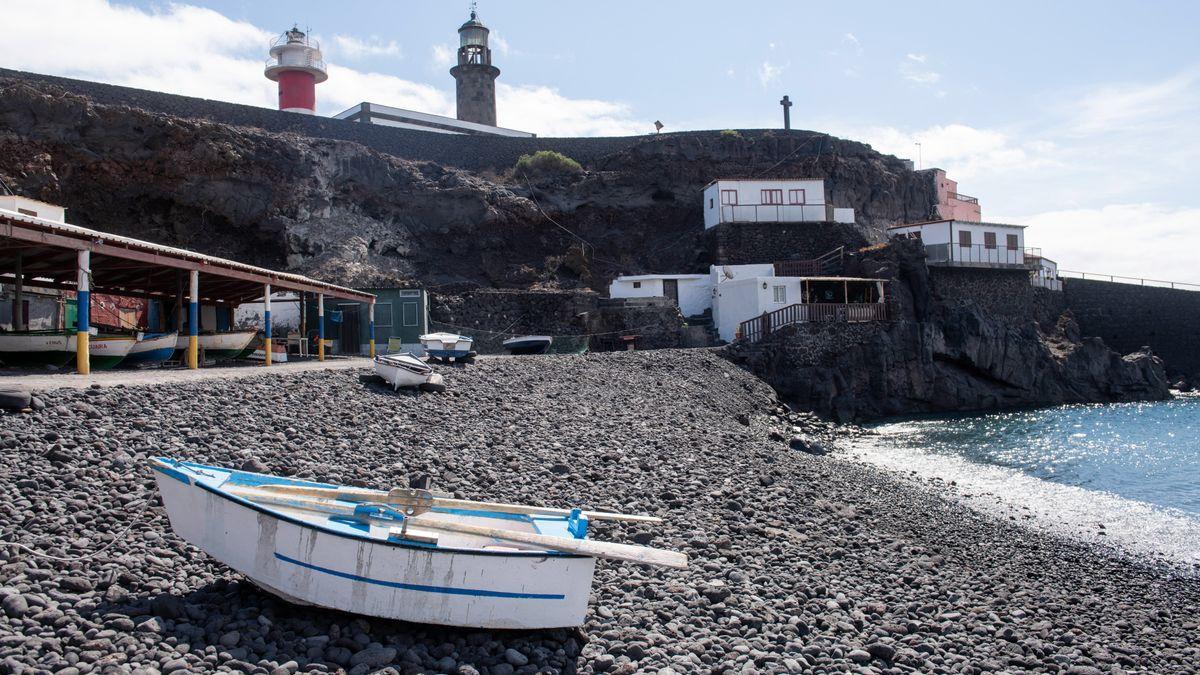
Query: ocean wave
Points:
[1162, 533]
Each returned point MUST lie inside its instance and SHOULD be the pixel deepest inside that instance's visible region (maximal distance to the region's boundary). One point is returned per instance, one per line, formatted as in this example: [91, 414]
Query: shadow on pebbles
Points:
[800, 562]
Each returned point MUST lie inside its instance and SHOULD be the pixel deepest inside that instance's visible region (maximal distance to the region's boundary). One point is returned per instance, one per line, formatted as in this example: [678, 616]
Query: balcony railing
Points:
[1046, 282]
[776, 213]
[826, 312]
[981, 255]
[963, 198]
[828, 264]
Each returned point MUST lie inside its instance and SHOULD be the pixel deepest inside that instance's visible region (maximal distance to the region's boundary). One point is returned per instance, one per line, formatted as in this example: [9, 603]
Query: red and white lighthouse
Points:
[297, 66]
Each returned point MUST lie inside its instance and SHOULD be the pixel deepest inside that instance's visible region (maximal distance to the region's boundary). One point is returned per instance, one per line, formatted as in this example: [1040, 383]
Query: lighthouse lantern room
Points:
[297, 66]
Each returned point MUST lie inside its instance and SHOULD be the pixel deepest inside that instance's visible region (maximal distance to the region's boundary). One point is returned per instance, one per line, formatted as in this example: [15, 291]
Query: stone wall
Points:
[998, 292]
[1128, 316]
[577, 319]
[752, 243]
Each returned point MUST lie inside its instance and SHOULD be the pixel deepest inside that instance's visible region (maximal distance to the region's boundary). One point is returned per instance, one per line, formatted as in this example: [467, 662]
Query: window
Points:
[637, 284]
[772, 196]
[989, 240]
[964, 238]
[729, 197]
[710, 202]
[408, 312]
[383, 315]
[27, 212]
[780, 294]
[795, 196]
[1011, 242]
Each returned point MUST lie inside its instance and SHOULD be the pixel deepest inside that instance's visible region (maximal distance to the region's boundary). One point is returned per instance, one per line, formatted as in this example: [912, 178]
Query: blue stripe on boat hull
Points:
[419, 587]
[151, 356]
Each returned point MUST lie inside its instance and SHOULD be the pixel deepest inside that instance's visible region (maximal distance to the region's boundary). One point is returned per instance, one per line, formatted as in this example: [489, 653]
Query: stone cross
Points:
[787, 112]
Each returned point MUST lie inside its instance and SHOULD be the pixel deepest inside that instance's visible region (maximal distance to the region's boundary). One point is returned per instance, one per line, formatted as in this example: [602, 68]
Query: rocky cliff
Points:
[307, 199]
[960, 340]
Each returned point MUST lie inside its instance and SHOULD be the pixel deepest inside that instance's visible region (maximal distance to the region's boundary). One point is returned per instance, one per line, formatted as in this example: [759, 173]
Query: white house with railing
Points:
[800, 200]
[1045, 273]
[960, 243]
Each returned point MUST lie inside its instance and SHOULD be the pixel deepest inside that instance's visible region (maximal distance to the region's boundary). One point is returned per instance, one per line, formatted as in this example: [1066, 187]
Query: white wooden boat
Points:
[25, 349]
[402, 554]
[106, 350]
[447, 345]
[405, 370]
[528, 344]
[218, 346]
[151, 348]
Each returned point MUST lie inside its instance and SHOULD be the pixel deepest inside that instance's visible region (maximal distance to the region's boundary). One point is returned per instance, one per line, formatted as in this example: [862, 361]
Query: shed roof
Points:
[647, 277]
[127, 266]
[951, 220]
[762, 180]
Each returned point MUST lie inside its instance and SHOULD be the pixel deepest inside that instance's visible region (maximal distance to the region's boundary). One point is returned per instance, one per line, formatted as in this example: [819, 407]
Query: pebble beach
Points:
[801, 559]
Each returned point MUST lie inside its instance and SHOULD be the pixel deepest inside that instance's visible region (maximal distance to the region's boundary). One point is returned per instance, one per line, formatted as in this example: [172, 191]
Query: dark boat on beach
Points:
[528, 344]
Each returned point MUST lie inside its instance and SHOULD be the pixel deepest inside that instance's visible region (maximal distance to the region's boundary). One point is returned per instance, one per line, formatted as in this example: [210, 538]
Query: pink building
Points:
[951, 204]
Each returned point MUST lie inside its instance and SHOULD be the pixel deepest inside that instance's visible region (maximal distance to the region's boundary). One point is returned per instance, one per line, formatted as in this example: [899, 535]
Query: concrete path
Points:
[39, 381]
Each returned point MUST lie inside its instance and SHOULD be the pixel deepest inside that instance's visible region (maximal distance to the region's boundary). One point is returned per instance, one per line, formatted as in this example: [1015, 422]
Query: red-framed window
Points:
[796, 197]
[772, 196]
[729, 198]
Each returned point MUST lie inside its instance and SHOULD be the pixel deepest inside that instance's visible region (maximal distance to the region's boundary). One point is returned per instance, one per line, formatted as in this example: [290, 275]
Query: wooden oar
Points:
[421, 501]
[597, 549]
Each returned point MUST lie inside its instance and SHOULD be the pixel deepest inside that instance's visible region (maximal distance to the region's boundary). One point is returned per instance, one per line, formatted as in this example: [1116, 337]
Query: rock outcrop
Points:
[971, 351]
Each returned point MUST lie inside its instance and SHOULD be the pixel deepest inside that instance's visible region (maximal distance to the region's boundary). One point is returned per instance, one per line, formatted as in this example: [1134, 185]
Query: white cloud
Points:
[1117, 107]
[545, 111]
[443, 56]
[347, 87]
[351, 47]
[964, 150]
[1135, 240]
[498, 43]
[768, 73]
[913, 69]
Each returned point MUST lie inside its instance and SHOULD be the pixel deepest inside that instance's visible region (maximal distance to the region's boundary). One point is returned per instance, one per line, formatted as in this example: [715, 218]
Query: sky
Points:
[1079, 119]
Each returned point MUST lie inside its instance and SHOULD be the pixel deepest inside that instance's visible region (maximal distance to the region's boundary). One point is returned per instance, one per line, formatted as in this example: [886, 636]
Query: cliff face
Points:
[347, 212]
[962, 340]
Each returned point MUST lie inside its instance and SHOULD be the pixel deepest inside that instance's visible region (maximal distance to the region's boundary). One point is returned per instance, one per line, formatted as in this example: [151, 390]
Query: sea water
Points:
[1127, 474]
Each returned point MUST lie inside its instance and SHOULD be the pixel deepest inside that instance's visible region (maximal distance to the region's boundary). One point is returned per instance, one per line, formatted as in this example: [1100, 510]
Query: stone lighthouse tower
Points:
[475, 76]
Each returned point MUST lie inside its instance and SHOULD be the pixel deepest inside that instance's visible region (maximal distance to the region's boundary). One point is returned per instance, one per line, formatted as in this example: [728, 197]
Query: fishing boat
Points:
[447, 345]
[218, 346]
[106, 350]
[402, 554]
[151, 348]
[37, 348]
[405, 370]
[528, 344]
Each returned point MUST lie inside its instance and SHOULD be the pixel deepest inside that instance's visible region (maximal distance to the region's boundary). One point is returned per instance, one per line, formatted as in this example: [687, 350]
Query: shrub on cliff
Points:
[731, 133]
[546, 164]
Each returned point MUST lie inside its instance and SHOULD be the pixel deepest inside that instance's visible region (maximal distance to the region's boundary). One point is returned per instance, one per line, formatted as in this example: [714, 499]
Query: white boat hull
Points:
[447, 345]
[408, 582]
[398, 376]
[219, 345]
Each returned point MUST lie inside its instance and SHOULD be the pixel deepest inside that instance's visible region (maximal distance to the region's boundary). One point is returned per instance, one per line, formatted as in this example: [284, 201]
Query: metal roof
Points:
[47, 249]
[951, 220]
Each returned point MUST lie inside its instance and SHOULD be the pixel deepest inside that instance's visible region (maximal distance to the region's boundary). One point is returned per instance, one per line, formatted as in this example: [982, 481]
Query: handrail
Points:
[754, 329]
[1112, 278]
[982, 255]
[963, 198]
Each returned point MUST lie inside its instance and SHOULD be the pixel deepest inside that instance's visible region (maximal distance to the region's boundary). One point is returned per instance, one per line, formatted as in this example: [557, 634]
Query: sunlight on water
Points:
[1125, 474]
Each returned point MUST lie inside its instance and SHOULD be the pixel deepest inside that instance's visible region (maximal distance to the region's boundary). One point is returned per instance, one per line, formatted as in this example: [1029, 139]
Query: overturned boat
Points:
[402, 554]
[405, 370]
[528, 344]
[447, 346]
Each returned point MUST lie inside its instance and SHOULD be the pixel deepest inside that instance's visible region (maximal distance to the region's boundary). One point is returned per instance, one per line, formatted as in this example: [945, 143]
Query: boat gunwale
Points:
[175, 474]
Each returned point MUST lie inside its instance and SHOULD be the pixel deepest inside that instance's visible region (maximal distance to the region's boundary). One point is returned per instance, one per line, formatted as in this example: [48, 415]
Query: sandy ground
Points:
[36, 381]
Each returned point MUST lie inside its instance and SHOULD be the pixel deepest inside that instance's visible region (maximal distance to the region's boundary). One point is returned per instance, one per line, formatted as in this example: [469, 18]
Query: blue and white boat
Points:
[447, 346]
[400, 554]
[151, 348]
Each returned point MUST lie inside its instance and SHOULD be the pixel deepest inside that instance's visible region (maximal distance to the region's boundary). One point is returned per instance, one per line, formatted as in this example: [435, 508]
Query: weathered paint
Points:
[193, 350]
[267, 324]
[371, 328]
[320, 326]
[83, 362]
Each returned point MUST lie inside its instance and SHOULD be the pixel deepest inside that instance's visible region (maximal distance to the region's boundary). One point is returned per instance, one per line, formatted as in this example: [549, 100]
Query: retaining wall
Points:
[1128, 317]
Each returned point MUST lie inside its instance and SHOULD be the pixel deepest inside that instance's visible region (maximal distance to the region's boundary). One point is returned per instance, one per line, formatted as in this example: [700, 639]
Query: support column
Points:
[179, 304]
[83, 361]
[303, 324]
[267, 324]
[320, 326]
[193, 350]
[19, 298]
[371, 327]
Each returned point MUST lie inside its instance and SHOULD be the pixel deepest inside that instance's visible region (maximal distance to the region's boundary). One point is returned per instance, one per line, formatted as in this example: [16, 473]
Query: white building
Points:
[692, 292]
[32, 207]
[373, 113]
[1045, 274]
[740, 293]
[770, 201]
[967, 244]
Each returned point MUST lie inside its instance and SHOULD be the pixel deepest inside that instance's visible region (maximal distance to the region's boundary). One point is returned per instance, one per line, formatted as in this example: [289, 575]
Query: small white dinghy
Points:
[401, 554]
[405, 370]
[451, 346]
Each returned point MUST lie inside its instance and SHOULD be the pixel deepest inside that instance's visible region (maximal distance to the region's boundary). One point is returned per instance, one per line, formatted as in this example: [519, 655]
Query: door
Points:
[348, 337]
[671, 290]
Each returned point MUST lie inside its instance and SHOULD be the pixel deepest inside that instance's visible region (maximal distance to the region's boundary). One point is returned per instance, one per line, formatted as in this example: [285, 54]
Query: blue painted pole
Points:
[371, 327]
[193, 352]
[320, 326]
[83, 306]
[267, 324]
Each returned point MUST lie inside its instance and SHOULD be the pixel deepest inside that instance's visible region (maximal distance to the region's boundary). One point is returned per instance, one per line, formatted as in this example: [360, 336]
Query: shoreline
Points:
[799, 563]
